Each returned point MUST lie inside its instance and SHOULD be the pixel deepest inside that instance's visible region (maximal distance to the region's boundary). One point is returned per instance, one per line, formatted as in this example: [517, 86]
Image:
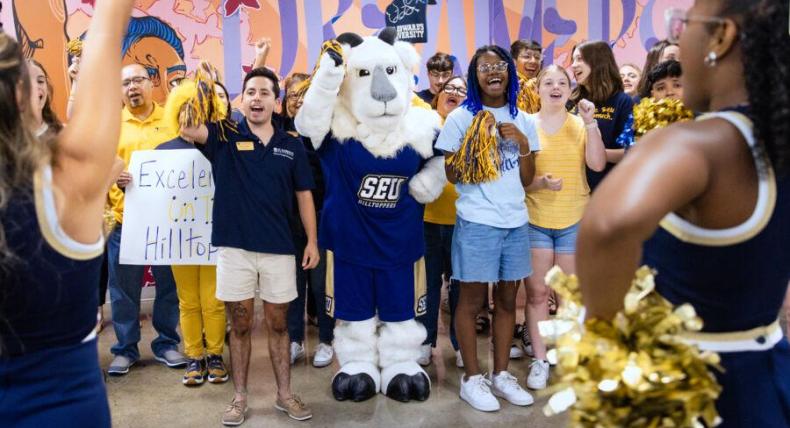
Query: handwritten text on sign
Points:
[167, 209]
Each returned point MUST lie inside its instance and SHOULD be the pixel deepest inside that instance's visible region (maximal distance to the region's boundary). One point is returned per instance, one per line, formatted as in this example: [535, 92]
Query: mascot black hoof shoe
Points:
[406, 388]
[405, 381]
[358, 387]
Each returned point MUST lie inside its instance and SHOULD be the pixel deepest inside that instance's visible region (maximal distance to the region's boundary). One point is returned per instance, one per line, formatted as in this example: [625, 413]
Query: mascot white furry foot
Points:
[378, 161]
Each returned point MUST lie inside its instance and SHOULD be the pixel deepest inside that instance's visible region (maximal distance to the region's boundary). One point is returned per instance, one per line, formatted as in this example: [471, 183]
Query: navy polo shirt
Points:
[254, 188]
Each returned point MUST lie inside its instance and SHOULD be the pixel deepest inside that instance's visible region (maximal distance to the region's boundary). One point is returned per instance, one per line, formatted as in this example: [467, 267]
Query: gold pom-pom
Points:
[634, 371]
[478, 159]
[330, 45]
[528, 99]
[650, 114]
[195, 101]
[74, 47]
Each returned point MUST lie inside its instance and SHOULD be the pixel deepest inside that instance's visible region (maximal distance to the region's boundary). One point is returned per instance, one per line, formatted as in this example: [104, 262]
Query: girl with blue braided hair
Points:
[489, 144]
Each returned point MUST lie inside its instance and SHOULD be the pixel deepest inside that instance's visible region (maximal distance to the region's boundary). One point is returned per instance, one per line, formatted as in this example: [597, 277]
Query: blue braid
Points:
[473, 102]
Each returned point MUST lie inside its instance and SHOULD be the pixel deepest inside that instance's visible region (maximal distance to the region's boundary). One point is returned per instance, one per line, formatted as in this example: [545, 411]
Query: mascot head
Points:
[377, 89]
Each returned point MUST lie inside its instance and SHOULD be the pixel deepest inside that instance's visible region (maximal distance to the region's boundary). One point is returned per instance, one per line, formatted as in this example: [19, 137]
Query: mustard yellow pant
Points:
[201, 312]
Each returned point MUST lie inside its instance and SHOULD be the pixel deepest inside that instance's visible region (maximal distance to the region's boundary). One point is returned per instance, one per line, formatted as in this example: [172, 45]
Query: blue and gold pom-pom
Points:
[478, 159]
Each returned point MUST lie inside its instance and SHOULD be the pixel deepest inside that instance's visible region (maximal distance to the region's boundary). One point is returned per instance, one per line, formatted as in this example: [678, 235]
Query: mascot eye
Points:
[363, 73]
[391, 70]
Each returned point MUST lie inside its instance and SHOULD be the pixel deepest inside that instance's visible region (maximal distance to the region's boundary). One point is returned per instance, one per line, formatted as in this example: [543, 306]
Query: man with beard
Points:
[142, 128]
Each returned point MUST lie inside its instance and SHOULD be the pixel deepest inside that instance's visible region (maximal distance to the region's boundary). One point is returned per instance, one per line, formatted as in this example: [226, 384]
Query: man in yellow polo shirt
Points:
[142, 128]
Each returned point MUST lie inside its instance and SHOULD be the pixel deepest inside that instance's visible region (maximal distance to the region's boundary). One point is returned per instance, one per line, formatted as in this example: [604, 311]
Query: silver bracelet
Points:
[591, 125]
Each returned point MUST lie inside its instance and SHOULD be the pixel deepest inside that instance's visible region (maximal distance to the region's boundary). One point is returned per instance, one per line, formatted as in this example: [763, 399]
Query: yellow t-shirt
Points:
[561, 155]
[137, 135]
[442, 210]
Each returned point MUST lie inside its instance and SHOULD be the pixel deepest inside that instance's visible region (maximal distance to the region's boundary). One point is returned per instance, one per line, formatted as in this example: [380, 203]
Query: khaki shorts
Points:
[240, 272]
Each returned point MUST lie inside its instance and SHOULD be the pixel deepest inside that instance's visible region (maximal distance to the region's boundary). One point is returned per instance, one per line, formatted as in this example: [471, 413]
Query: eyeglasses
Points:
[677, 20]
[452, 89]
[136, 80]
[440, 74]
[488, 67]
[527, 56]
[292, 95]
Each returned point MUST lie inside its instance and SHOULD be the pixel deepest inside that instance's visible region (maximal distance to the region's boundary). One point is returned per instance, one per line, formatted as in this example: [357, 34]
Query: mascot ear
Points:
[408, 54]
[388, 35]
[351, 39]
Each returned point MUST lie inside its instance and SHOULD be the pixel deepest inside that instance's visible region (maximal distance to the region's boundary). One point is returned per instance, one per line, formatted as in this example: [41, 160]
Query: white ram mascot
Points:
[378, 161]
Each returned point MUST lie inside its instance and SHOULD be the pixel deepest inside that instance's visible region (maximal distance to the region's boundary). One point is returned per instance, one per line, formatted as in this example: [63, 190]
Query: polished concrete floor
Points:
[152, 395]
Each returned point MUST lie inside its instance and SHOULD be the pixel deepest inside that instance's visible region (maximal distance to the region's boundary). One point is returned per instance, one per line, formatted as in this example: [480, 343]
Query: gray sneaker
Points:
[172, 359]
[120, 365]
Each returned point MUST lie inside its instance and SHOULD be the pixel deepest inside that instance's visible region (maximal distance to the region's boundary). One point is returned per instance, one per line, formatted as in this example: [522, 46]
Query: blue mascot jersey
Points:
[369, 217]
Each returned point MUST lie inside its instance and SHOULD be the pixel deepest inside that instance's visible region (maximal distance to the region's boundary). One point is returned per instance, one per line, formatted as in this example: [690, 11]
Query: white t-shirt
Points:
[498, 203]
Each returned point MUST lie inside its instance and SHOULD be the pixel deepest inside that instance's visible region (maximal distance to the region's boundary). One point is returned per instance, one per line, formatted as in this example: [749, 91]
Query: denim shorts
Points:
[482, 253]
[562, 241]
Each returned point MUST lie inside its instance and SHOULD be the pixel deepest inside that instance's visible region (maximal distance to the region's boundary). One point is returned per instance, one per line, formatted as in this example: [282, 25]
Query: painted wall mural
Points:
[170, 37]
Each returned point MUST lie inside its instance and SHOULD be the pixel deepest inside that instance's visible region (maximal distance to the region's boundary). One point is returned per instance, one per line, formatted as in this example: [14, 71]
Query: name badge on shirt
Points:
[244, 146]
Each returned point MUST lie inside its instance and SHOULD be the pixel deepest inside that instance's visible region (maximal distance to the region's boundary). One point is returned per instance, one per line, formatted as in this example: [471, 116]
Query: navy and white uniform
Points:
[49, 366]
[372, 229]
[736, 279]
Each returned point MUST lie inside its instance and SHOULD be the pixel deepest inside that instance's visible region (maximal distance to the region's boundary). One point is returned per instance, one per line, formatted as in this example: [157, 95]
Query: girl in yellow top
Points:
[439, 224]
[557, 197]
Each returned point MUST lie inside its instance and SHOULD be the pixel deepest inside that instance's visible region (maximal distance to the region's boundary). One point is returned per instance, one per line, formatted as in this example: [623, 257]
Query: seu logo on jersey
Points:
[380, 191]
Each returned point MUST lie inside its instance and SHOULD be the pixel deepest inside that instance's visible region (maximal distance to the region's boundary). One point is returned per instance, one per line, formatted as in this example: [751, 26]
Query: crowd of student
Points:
[560, 132]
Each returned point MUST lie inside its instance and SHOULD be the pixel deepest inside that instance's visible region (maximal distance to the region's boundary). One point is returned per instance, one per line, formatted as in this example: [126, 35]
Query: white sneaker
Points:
[516, 352]
[477, 392]
[297, 351]
[459, 360]
[425, 356]
[506, 386]
[323, 355]
[538, 374]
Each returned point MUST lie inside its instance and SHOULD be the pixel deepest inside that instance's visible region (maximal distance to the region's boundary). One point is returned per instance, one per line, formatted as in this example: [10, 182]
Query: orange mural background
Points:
[170, 37]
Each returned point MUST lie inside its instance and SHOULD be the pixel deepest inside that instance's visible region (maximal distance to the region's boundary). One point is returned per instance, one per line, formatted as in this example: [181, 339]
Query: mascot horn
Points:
[377, 155]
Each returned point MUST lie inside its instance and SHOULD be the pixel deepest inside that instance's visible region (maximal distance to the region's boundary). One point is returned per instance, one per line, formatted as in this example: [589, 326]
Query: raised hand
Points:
[586, 111]
[262, 47]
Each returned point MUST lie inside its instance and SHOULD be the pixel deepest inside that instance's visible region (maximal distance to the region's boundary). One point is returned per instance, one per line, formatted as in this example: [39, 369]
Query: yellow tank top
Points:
[561, 155]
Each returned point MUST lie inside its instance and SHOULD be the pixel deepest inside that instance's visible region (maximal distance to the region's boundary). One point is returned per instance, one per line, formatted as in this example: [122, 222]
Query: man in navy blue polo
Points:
[257, 170]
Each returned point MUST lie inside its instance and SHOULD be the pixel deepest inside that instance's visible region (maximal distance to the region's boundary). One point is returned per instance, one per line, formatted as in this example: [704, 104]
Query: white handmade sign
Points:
[167, 209]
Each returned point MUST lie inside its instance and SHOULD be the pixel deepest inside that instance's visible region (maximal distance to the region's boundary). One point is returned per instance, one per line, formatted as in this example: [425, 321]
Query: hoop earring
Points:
[710, 59]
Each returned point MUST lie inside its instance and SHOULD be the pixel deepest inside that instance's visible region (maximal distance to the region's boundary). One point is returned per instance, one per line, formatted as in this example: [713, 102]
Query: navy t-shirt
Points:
[611, 117]
[177, 143]
[426, 95]
[254, 188]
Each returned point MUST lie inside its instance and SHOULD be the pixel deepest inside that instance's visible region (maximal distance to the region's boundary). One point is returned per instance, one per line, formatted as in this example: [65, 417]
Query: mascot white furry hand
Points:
[373, 145]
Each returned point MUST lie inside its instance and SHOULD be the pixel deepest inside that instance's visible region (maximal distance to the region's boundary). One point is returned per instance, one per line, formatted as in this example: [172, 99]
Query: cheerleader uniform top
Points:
[50, 289]
[736, 279]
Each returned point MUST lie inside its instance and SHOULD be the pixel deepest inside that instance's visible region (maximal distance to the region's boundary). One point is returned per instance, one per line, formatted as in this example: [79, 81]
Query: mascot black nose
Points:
[380, 87]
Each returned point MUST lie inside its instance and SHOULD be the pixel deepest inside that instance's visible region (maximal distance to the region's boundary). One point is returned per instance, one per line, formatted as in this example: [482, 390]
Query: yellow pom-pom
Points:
[650, 114]
[528, 99]
[74, 47]
[177, 101]
[478, 159]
